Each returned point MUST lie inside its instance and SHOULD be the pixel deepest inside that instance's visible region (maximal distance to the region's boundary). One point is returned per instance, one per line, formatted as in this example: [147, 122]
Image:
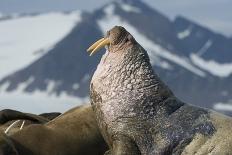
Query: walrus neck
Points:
[128, 76]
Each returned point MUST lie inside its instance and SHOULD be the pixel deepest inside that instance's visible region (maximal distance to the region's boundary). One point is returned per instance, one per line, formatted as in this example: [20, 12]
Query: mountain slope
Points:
[22, 41]
[25, 38]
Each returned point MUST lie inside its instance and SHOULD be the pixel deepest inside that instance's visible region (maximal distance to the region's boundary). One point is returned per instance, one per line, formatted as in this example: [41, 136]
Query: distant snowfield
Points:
[213, 67]
[22, 41]
[25, 39]
[38, 102]
[129, 8]
[223, 106]
[185, 33]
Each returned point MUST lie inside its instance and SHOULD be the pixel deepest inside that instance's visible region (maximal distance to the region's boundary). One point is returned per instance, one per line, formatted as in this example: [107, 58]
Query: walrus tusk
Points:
[92, 47]
[13, 124]
[98, 45]
[21, 127]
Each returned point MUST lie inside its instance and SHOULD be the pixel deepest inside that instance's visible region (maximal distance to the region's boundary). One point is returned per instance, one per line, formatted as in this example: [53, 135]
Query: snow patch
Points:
[206, 46]
[4, 86]
[75, 86]
[38, 101]
[85, 78]
[154, 50]
[130, 8]
[21, 37]
[163, 64]
[51, 85]
[23, 86]
[223, 106]
[109, 10]
[213, 67]
[185, 33]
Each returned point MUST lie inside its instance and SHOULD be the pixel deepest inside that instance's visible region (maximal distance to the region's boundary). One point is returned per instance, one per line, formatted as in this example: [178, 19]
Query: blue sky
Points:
[215, 14]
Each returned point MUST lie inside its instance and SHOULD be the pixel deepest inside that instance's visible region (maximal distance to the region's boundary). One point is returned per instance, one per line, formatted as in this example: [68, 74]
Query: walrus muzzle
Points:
[98, 45]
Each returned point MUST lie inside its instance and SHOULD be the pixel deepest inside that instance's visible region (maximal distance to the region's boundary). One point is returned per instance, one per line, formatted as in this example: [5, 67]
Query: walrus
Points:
[72, 133]
[12, 121]
[9, 114]
[138, 114]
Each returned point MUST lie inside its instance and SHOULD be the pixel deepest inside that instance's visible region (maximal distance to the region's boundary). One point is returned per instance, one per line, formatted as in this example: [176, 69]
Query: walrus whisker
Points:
[13, 124]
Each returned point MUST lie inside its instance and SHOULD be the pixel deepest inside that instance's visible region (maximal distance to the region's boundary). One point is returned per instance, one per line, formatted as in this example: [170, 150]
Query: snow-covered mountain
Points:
[193, 60]
[24, 38]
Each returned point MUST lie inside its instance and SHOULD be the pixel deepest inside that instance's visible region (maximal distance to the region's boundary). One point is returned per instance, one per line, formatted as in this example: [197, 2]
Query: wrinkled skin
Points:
[72, 133]
[138, 114]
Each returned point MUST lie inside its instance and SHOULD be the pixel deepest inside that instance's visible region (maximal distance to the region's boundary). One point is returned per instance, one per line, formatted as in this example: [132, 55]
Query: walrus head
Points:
[117, 38]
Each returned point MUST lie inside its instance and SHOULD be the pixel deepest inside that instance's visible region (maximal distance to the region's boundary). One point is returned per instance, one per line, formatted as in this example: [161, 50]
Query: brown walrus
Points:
[12, 121]
[138, 114]
[72, 133]
[9, 115]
